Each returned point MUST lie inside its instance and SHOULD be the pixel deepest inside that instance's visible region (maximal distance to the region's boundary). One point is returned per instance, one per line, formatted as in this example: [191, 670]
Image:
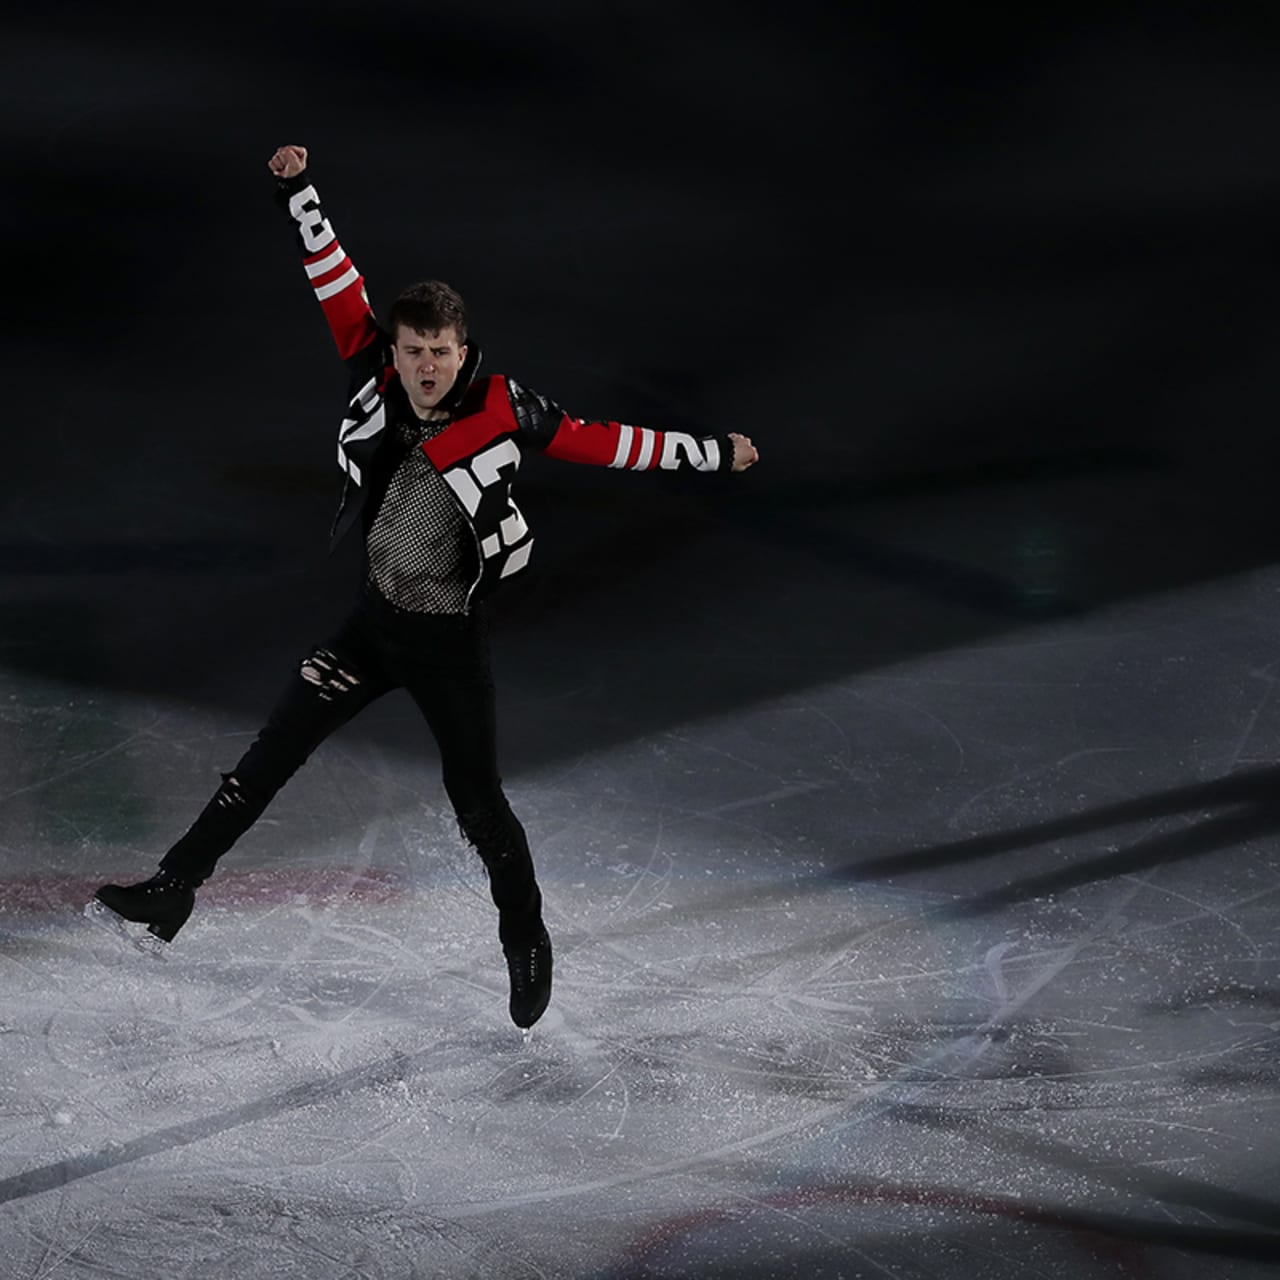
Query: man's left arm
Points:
[545, 426]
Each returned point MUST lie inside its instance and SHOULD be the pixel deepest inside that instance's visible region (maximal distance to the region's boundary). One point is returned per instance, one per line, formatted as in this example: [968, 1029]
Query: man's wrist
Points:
[726, 453]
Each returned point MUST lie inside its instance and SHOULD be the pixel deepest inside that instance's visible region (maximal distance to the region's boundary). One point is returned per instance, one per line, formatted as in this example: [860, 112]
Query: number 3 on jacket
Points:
[313, 227]
[470, 483]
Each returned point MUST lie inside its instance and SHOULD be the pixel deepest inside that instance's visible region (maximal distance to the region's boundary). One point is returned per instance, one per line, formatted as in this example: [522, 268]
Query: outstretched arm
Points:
[544, 425]
[338, 286]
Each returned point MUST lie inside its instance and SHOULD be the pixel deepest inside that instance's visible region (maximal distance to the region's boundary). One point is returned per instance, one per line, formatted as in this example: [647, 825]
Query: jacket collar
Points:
[466, 376]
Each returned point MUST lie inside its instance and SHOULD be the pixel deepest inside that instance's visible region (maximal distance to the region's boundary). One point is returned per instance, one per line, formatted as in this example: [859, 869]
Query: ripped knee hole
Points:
[230, 794]
[322, 670]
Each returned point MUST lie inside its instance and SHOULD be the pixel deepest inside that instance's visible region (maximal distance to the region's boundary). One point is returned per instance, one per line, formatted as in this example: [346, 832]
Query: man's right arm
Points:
[338, 286]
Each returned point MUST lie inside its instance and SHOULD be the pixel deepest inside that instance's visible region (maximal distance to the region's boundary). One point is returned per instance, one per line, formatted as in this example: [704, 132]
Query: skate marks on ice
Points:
[810, 1232]
[36, 1181]
[390, 1071]
[951, 1088]
[314, 1177]
[667, 1106]
[1035, 1022]
[725, 1123]
[755, 1064]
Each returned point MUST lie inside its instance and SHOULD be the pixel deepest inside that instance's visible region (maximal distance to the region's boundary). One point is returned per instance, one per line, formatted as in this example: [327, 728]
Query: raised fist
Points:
[288, 161]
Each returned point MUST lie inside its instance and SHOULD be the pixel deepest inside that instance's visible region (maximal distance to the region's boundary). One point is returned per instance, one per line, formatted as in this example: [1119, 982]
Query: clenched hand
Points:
[745, 454]
[288, 161]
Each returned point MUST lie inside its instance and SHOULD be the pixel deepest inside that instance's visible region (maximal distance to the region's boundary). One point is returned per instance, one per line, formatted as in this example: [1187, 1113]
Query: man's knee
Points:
[492, 829]
[478, 802]
[329, 691]
[330, 677]
[230, 796]
[241, 798]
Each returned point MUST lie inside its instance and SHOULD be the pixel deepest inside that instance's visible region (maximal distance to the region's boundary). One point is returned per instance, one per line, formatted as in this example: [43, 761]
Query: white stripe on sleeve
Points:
[346, 278]
[327, 263]
[648, 439]
[624, 445]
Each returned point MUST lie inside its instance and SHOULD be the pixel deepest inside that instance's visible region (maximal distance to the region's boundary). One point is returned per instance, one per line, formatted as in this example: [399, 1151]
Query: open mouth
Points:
[427, 384]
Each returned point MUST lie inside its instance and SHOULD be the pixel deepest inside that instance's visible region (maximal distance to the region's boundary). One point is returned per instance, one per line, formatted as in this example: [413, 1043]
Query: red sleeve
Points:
[615, 444]
[338, 286]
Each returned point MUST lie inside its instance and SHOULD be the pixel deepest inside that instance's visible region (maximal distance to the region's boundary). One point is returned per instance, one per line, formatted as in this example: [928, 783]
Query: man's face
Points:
[428, 365]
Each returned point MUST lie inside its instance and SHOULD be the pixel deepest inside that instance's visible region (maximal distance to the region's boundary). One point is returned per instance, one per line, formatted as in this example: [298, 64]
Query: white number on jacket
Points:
[316, 231]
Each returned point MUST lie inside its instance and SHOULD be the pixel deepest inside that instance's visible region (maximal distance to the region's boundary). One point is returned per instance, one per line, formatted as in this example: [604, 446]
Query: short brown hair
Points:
[428, 307]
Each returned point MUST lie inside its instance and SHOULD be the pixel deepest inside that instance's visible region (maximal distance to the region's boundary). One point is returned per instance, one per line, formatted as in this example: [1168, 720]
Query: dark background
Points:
[995, 297]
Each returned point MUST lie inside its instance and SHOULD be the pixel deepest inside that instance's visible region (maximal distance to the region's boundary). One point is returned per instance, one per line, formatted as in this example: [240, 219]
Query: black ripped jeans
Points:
[442, 662]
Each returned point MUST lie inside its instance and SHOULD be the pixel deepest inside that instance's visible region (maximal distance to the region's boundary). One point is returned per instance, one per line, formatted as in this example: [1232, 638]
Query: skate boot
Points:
[163, 903]
[529, 968]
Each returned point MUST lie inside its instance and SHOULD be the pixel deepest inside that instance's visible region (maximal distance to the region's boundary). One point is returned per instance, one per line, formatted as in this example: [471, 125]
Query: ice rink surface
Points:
[961, 966]
[905, 810]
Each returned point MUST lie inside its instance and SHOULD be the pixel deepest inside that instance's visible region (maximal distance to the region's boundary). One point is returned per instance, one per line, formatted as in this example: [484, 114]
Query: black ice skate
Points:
[529, 968]
[162, 903]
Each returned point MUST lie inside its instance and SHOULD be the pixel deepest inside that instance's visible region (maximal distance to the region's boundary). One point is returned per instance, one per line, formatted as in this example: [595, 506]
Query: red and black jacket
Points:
[494, 418]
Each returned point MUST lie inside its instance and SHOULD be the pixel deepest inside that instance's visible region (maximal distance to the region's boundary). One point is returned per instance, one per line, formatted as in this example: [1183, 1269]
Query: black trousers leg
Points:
[334, 682]
[447, 674]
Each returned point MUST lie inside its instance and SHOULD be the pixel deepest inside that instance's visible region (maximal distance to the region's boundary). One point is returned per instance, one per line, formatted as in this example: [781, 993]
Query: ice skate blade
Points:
[136, 935]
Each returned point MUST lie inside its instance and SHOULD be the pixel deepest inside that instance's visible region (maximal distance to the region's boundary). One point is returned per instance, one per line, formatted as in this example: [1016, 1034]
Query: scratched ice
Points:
[965, 967]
